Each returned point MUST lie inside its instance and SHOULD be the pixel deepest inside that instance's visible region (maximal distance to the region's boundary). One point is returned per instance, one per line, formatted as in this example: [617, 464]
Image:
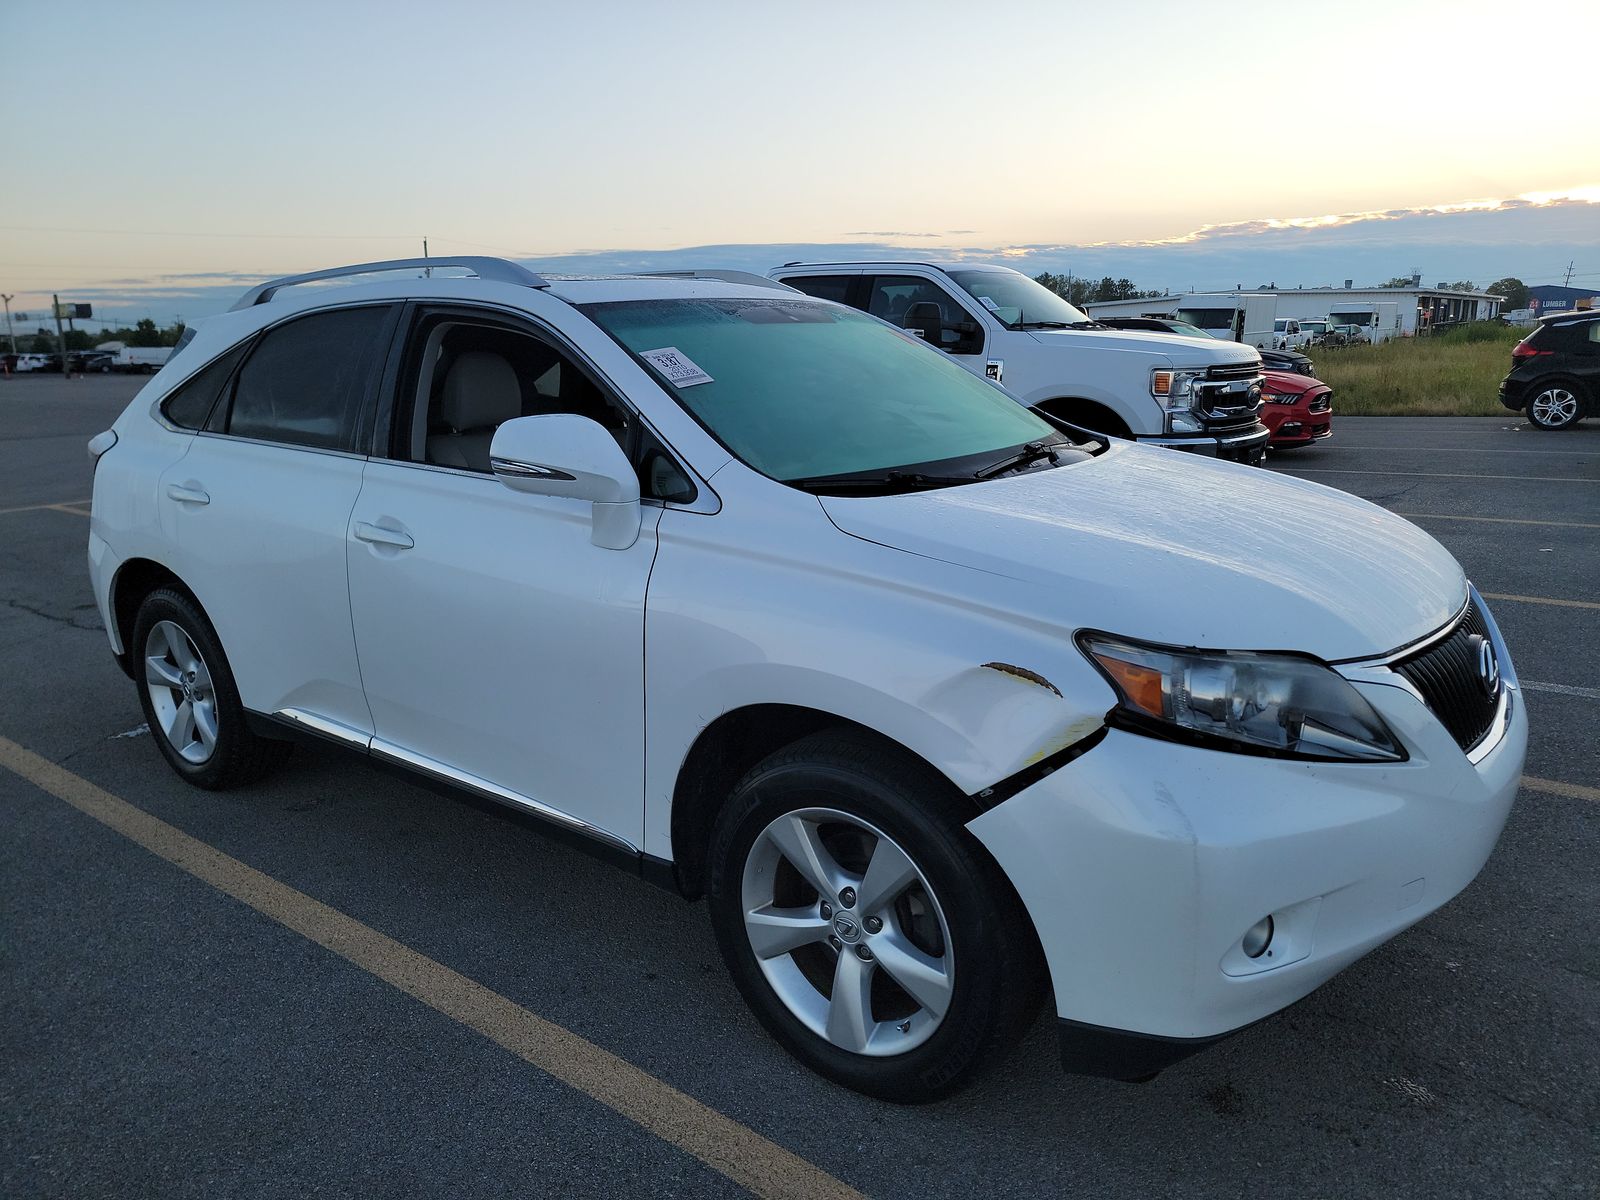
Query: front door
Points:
[924, 309]
[498, 645]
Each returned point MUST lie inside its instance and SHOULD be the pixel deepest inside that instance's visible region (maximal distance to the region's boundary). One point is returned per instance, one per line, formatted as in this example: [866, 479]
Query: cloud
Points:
[889, 233]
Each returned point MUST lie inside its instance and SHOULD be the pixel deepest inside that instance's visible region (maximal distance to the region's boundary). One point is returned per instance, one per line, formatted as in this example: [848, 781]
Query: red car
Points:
[1298, 409]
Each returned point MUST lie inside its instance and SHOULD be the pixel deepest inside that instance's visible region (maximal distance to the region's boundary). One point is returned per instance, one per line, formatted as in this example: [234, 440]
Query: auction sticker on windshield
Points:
[678, 367]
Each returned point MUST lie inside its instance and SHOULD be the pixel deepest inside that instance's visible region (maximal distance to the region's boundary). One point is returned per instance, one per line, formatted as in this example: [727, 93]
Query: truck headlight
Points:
[1275, 704]
[1175, 389]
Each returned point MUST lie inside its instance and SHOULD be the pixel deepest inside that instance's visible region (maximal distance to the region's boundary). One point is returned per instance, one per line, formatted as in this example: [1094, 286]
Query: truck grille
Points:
[1233, 371]
[1448, 676]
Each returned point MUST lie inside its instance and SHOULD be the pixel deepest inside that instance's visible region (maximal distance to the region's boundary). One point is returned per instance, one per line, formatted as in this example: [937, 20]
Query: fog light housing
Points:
[1257, 938]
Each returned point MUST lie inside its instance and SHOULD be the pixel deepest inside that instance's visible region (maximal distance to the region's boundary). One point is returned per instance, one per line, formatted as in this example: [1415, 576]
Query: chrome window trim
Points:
[249, 441]
[439, 770]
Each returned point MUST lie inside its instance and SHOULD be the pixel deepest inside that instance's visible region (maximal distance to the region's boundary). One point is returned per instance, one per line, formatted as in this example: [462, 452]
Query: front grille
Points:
[1232, 371]
[1447, 675]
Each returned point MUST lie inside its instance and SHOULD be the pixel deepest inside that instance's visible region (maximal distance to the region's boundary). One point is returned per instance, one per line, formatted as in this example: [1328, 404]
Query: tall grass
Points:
[1455, 374]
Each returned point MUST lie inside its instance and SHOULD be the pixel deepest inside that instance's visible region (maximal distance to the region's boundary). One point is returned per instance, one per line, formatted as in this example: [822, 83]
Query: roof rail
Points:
[500, 270]
[746, 277]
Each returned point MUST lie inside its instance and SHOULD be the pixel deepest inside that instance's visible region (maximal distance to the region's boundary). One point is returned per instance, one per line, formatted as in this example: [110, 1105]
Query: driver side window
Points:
[924, 309]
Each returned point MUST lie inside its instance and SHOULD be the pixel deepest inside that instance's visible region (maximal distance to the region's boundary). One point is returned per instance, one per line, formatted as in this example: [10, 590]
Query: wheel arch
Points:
[726, 750]
[1080, 410]
[135, 579]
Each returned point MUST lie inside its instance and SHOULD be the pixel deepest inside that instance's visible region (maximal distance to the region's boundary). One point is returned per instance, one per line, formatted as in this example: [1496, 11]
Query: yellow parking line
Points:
[724, 1145]
[1572, 791]
[1540, 600]
[1442, 475]
[39, 507]
[1498, 520]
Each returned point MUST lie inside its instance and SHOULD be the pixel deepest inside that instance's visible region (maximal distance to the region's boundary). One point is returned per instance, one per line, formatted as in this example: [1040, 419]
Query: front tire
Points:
[866, 928]
[1555, 404]
[190, 700]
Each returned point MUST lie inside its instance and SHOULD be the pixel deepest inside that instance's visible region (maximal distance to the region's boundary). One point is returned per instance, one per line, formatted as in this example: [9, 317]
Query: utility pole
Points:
[10, 335]
[1568, 281]
[61, 338]
[427, 271]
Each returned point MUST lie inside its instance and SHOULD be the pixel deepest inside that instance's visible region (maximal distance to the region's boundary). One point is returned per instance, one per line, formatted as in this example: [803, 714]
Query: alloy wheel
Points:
[1554, 406]
[181, 692]
[847, 932]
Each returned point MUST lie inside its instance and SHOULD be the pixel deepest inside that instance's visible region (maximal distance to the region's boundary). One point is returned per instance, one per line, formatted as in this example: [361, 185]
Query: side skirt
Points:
[503, 804]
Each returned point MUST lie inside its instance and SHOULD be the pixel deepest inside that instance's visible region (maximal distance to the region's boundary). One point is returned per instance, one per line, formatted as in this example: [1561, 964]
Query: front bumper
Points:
[1248, 446]
[1143, 863]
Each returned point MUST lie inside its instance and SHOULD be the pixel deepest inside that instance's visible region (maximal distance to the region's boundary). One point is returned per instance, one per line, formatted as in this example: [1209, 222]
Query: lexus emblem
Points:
[1488, 666]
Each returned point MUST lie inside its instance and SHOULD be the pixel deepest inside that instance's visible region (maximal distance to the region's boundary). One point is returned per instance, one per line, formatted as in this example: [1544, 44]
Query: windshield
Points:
[1016, 300]
[1187, 328]
[800, 389]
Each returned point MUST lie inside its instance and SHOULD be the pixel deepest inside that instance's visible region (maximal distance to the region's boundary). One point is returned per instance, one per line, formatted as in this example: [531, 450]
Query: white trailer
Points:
[146, 360]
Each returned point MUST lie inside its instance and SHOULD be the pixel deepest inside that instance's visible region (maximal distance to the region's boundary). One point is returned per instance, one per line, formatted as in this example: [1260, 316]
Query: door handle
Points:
[379, 536]
[187, 495]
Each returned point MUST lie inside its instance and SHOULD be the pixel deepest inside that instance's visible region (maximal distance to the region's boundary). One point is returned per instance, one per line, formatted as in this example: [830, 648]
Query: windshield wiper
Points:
[1029, 454]
[887, 482]
[1043, 325]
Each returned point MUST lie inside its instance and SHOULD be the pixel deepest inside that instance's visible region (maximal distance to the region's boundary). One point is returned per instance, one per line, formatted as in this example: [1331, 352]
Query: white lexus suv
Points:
[941, 705]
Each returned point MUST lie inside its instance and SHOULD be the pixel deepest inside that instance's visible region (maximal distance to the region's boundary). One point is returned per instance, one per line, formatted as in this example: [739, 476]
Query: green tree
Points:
[44, 342]
[144, 333]
[1513, 289]
[1398, 281]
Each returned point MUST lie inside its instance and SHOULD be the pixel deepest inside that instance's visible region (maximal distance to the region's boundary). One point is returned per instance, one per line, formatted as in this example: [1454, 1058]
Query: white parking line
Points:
[1561, 689]
[1496, 520]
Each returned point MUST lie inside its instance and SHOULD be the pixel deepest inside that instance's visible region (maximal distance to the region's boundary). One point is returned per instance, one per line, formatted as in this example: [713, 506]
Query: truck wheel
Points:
[869, 932]
[189, 697]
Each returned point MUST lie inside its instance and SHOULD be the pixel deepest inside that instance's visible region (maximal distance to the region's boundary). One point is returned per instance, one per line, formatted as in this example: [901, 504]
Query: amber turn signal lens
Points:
[1141, 686]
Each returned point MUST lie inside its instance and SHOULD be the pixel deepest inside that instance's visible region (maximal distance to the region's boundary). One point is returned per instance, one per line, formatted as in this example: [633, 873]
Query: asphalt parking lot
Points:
[447, 1004]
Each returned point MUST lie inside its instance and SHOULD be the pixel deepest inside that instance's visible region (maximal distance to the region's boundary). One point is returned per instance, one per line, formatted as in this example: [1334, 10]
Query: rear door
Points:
[259, 508]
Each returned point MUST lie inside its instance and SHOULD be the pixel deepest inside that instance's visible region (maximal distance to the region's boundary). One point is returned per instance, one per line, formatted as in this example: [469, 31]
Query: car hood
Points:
[1182, 350]
[1290, 383]
[1166, 547]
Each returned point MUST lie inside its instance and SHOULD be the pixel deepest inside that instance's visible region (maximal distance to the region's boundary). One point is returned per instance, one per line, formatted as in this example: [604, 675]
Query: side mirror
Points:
[560, 454]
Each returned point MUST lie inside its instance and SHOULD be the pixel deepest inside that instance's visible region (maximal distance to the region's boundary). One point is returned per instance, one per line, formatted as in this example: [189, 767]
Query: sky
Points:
[164, 155]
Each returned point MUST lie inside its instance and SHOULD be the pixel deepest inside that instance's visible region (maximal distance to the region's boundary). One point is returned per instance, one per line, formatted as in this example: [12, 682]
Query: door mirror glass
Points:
[561, 454]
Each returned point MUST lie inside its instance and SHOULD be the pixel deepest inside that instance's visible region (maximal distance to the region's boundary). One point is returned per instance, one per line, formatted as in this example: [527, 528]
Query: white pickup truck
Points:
[1170, 391]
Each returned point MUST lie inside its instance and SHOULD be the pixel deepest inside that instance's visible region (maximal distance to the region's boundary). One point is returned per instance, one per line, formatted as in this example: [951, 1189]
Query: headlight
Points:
[1280, 398]
[1175, 389]
[1240, 700]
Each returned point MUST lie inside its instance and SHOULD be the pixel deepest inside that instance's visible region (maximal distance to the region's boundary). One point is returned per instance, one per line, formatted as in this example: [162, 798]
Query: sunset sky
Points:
[162, 153]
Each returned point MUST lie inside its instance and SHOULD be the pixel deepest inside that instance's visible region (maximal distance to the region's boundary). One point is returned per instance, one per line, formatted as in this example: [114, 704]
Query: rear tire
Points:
[936, 952]
[1555, 404]
[189, 697]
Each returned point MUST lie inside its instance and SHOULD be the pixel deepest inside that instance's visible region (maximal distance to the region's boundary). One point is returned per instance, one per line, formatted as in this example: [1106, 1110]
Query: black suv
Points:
[1555, 371]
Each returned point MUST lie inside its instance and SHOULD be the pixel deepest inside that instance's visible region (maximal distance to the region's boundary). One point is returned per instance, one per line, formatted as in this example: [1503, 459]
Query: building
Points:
[1553, 298]
[1386, 312]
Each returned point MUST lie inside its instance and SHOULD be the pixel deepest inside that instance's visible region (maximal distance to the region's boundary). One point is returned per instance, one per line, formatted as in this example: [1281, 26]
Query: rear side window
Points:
[190, 404]
[306, 382]
[824, 287]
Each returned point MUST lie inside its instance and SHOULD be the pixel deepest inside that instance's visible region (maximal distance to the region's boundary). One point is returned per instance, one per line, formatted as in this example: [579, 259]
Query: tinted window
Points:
[925, 310]
[824, 287]
[190, 404]
[799, 390]
[1208, 318]
[305, 382]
